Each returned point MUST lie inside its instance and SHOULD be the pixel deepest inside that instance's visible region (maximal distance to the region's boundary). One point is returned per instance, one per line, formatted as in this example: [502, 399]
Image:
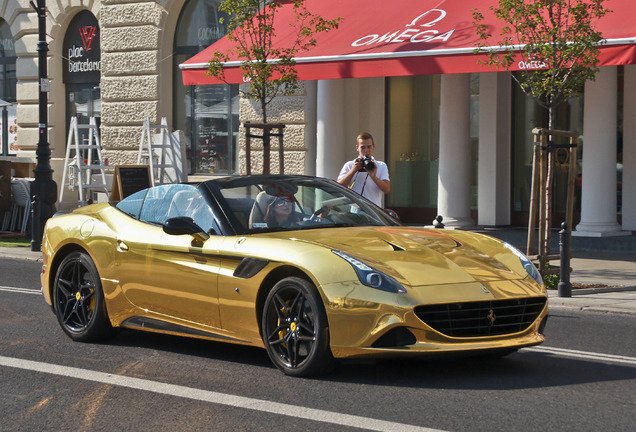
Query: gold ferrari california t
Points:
[300, 266]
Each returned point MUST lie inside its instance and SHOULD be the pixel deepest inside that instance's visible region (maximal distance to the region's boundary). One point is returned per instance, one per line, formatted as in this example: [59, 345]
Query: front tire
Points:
[295, 330]
[78, 299]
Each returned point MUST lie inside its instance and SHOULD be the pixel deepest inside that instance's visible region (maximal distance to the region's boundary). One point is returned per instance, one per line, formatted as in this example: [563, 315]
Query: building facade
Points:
[458, 145]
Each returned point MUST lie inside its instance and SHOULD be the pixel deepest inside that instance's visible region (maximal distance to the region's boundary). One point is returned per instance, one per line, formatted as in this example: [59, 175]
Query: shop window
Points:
[414, 140]
[208, 114]
[8, 121]
[527, 115]
[413, 137]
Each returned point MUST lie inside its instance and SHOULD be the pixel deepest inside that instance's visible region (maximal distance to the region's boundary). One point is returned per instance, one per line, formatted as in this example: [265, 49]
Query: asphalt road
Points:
[582, 379]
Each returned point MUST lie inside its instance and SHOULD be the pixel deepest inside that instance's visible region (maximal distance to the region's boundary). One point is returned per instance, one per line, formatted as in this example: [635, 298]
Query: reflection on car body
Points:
[339, 278]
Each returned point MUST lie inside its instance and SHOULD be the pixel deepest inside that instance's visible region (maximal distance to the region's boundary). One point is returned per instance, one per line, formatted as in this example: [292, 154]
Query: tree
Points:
[558, 44]
[557, 41]
[269, 69]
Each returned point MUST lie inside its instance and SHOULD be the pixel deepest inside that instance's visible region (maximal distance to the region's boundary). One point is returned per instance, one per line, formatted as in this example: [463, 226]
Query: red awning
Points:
[405, 37]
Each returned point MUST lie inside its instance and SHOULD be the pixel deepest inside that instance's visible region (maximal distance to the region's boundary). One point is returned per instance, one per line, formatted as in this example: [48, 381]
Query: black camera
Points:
[367, 164]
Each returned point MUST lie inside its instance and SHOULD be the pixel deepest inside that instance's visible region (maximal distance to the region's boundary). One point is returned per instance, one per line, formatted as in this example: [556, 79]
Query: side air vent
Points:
[249, 267]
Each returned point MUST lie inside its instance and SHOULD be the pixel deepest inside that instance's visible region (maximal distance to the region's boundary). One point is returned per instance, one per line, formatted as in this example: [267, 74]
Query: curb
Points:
[598, 300]
[589, 308]
[20, 253]
[585, 291]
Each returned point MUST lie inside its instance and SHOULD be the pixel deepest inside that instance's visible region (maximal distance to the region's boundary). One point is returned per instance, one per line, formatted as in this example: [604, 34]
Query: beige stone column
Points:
[598, 189]
[24, 28]
[330, 129]
[453, 199]
[493, 195]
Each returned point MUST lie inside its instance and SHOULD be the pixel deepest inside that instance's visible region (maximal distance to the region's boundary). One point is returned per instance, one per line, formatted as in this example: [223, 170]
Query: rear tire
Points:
[295, 329]
[78, 299]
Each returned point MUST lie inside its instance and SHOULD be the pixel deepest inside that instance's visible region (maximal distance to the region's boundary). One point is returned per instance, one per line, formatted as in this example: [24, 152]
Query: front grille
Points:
[482, 318]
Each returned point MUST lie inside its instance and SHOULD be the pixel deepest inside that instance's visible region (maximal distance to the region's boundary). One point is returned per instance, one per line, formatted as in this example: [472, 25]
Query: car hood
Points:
[421, 256]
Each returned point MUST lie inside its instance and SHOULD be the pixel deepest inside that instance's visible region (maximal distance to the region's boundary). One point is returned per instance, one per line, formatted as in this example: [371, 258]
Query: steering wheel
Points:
[315, 218]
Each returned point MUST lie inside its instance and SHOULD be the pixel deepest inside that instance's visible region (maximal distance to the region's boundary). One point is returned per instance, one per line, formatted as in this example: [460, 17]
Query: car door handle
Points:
[122, 245]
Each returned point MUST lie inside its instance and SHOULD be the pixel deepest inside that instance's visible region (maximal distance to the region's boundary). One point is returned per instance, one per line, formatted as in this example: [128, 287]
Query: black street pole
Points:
[43, 188]
[564, 287]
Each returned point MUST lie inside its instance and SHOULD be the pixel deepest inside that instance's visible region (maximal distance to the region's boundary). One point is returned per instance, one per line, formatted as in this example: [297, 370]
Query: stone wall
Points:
[288, 110]
[135, 85]
[131, 36]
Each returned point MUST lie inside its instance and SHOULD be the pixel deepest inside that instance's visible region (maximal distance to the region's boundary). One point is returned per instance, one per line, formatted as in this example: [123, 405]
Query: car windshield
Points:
[276, 203]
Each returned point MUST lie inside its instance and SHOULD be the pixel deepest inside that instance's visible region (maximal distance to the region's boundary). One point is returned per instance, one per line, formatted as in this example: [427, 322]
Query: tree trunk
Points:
[549, 182]
[266, 139]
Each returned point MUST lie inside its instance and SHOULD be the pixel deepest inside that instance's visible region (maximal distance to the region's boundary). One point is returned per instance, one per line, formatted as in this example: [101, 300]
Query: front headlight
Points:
[371, 277]
[530, 268]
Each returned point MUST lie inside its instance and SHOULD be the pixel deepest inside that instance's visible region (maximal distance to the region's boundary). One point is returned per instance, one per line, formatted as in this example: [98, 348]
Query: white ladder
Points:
[80, 169]
[162, 152]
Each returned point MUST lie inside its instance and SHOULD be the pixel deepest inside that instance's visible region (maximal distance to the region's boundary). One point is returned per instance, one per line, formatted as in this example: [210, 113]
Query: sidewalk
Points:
[612, 272]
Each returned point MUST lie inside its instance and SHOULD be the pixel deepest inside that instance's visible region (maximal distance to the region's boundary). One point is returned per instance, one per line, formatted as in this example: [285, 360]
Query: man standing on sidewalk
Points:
[366, 175]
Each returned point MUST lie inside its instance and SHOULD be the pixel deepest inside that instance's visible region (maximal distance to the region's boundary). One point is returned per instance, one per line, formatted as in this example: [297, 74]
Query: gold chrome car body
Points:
[216, 288]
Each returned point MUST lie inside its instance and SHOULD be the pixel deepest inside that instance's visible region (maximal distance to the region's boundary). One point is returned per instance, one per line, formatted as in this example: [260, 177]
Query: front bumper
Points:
[370, 323]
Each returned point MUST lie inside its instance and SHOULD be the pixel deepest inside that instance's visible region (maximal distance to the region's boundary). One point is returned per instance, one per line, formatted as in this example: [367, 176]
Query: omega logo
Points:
[533, 64]
[412, 31]
[442, 14]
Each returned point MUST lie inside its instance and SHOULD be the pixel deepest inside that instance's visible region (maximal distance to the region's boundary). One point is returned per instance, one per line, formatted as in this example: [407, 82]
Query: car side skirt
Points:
[159, 326]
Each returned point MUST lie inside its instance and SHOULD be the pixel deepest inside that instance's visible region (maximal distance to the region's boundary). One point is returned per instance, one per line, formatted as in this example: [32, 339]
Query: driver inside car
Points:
[280, 212]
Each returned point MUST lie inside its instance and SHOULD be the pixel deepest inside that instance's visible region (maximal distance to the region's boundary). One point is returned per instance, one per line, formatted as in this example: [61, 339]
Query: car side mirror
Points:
[183, 225]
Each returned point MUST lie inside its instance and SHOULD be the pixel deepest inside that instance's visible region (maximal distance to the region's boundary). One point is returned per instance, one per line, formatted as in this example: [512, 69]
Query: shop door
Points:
[84, 102]
[82, 71]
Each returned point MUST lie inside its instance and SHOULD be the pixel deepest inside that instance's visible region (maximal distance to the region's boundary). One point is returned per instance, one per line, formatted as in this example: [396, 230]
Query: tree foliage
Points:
[269, 69]
[557, 41]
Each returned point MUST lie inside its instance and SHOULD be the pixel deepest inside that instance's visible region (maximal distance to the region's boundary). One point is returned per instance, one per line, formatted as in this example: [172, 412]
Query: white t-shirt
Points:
[365, 186]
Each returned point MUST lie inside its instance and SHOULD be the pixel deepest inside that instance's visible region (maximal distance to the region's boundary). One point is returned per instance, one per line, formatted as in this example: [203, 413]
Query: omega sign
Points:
[418, 30]
[82, 58]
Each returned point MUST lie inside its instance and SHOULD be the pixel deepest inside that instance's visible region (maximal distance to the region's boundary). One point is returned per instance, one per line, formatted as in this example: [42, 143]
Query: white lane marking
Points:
[214, 397]
[611, 358]
[20, 290]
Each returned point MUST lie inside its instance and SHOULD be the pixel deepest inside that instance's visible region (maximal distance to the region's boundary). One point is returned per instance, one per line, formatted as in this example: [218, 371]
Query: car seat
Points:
[257, 215]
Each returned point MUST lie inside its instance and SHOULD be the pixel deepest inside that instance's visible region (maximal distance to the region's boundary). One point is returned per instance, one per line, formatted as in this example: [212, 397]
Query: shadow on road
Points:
[521, 370]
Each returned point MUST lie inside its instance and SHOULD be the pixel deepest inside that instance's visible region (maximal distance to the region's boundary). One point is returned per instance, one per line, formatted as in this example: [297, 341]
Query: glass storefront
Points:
[413, 147]
[208, 115]
[8, 121]
[527, 115]
[619, 142]
[413, 104]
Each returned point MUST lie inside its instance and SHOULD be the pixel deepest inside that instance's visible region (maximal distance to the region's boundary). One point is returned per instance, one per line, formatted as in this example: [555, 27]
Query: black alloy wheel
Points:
[78, 299]
[295, 330]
